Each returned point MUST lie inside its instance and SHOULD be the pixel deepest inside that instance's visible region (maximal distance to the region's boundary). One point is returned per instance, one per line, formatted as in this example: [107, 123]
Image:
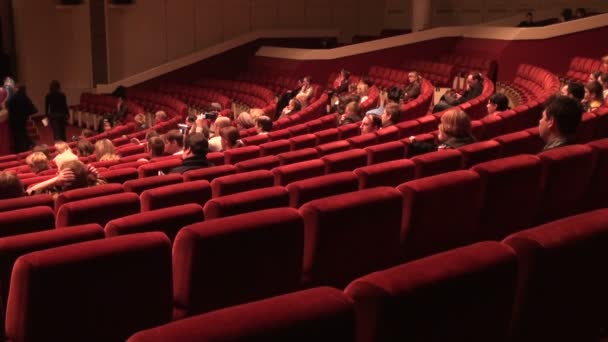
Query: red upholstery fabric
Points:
[167, 220]
[386, 134]
[27, 220]
[390, 173]
[27, 202]
[520, 142]
[345, 161]
[440, 212]
[198, 192]
[364, 140]
[279, 135]
[120, 175]
[13, 247]
[298, 156]
[133, 164]
[231, 184]
[333, 147]
[479, 152]
[106, 289]
[255, 139]
[598, 191]
[286, 174]
[303, 191]
[566, 175]
[275, 147]
[97, 210]
[434, 163]
[319, 314]
[140, 185]
[262, 251]
[562, 292]
[344, 241]
[349, 130]
[385, 152]
[303, 141]
[209, 173]
[240, 154]
[511, 194]
[247, 201]
[84, 193]
[262, 163]
[152, 169]
[465, 294]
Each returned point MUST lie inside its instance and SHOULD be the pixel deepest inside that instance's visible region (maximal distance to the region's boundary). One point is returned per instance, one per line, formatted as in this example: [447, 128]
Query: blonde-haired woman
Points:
[455, 130]
[105, 151]
[37, 162]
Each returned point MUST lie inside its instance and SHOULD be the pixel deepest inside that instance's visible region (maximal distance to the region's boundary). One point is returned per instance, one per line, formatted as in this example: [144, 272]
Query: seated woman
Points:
[293, 107]
[244, 121]
[160, 116]
[594, 97]
[454, 131]
[10, 186]
[340, 84]
[497, 103]
[84, 148]
[105, 151]
[230, 138]
[140, 122]
[37, 162]
[73, 174]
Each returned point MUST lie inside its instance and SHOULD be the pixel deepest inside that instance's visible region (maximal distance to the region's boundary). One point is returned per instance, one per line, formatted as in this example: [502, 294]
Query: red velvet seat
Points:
[198, 192]
[349, 130]
[386, 134]
[562, 292]
[140, 185]
[598, 191]
[104, 290]
[385, 152]
[261, 163]
[241, 154]
[275, 147]
[520, 142]
[511, 195]
[26, 220]
[444, 297]
[303, 191]
[168, 220]
[247, 201]
[97, 210]
[319, 314]
[327, 136]
[440, 212]
[286, 174]
[84, 193]
[298, 156]
[344, 161]
[333, 147]
[27, 202]
[434, 163]
[363, 140]
[120, 175]
[391, 173]
[262, 251]
[349, 235]
[303, 141]
[231, 184]
[255, 139]
[154, 169]
[209, 173]
[479, 152]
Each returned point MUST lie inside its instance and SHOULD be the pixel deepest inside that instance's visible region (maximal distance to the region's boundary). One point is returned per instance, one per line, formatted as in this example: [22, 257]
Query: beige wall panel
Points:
[371, 18]
[292, 14]
[237, 17]
[209, 30]
[318, 14]
[264, 14]
[398, 14]
[181, 20]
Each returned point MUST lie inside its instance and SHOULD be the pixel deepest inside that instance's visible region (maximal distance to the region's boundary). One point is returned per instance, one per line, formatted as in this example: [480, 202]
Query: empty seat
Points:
[345, 161]
[120, 175]
[26, 220]
[479, 152]
[350, 235]
[247, 201]
[303, 191]
[520, 142]
[598, 190]
[327, 136]
[105, 290]
[198, 192]
[140, 185]
[390, 173]
[333, 147]
[286, 174]
[275, 147]
[97, 210]
[386, 134]
[84, 193]
[231, 184]
[437, 162]
[364, 140]
[154, 169]
[167, 220]
[562, 292]
[385, 152]
[465, 294]
[262, 251]
[27, 202]
[303, 141]
[440, 212]
[298, 156]
[261, 163]
[209, 173]
[240, 154]
[319, 314]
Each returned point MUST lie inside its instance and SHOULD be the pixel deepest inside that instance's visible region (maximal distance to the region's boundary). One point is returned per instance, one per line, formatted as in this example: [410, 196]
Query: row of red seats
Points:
[353, 79]
[580, 68]
[195, 96]
[534, 84]
[385, 78]
[466, 64]
[440, 74]
[153, 100]
[270, 78]
[100, 104]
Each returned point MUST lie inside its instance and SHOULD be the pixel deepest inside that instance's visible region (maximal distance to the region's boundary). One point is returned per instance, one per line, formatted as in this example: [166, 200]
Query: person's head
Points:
[140, 119]
[160, 116]
[497, 102]
[352, 109]
[580, 12]
[84, 148]
[44, 148]
[573, 90]
[83, 176]
[306, 80]
[104, 147]
[345, 73]
[370, 123]
[594, 76]
[603, 79]
[264, 124]
[244, 121]
[54, 87]
[560, 118]
[87, 133]
[37, 161]
[61, 146]
[220, 123]
[10, 185]
[566, 14]
[391, 114]
[455, 124]
[593, 91]
[474, 78]
[156, 146]
[413, 77]
[605, 63]
[196, 145]
[294, 105]
[190, 119]
[394, 94]
[230, 137]
[362, 89]
[174, 141]
[107, 125]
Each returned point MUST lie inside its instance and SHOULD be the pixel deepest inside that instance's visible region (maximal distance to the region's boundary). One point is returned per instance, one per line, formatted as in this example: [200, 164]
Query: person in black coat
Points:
[20, 107]
[56, 108]
[451, 99]
[195, 154]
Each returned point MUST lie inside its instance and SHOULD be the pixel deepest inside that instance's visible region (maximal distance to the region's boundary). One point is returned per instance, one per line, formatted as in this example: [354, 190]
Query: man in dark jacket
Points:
[195, 154]
[451, 99]
[20, 107]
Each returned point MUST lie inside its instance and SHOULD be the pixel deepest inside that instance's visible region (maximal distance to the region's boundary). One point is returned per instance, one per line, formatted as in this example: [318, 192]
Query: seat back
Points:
[84, 193]
[303, 191]
[390, 173]
[27, 220]
[247, 201]
[141, 184]
[209, 173]
[434, 163]
[99, 210]
[198, 192]
[27, 202]
[286, 174]
[231, 184]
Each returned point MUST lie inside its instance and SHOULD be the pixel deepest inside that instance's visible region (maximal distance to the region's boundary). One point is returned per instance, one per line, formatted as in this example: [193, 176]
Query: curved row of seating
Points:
[466, 64]
[440, 74]
[270, 78]
[580, 68]
[195, 96]
[250, 94]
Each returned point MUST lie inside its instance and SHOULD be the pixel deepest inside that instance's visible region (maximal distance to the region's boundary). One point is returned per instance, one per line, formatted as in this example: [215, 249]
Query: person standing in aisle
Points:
[56, 109]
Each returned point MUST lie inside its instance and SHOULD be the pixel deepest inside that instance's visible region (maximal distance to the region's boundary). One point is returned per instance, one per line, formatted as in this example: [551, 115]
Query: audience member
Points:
[497, 103]
[87, 133]
[244, 121]
[393, 95]
[594, 97]
[370, 123]
[160, 116]
[412, 90]
[256, 113]
[37, 162]
[559, 121]
[140, 122]
[306, 92]
[195, 154]
[105, 151]
[56, 109]
[351, 114]
[215, 143]
[64, 153]
[230, 138]
[604, 82]
[594, 76]
[174, 142]
[263, 125]
[604, 66]
[106, 126]
[293, 107]
[155, 147]
[340, 84]
[454, 131]
[452, 98]
[573, 90]
[362, 91]
[44, 148]
[566, 15]
[20, 107]
[391, 115]
[72, 174]
[10, 185]
[84, 148]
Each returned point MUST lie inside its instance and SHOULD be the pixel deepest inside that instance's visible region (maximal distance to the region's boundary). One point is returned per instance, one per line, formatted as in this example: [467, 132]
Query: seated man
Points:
[263, 125]
[174, 142]
[215, 143]
[560, 119]
[452, 98]
[351, 114]
[391, 115]
[306, 92]
[195, 154]
[341, 82]
[370, 123]
[160, 116]
[573, 90]
[64, 154]
[497, 103]
[412, 90]
[230, 138]
[393, 95]
[156, 147]
[10, 185]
